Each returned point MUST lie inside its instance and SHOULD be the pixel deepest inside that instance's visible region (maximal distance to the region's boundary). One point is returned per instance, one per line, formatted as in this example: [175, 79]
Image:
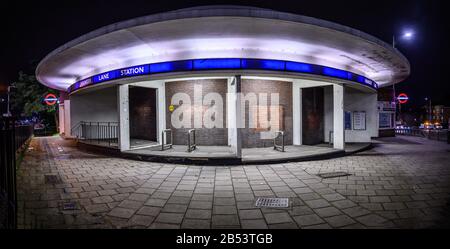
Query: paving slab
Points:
[119, 193]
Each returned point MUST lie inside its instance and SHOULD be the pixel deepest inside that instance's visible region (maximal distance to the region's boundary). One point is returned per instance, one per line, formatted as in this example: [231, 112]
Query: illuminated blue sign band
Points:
[337, 73]
[299, 67]
[223, 64]
[175, 66]
[217, 64]
[263, 64]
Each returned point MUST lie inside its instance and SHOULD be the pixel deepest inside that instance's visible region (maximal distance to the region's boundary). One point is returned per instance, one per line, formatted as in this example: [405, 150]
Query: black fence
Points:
[12, 138]
[101, 133]
[439, 135]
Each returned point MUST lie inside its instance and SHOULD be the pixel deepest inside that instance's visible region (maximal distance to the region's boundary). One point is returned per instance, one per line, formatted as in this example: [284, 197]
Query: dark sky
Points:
[30, 30]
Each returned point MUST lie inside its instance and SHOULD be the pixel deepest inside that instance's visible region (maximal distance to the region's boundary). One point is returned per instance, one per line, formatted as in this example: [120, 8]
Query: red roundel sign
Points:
[402, 98]
[50, 99]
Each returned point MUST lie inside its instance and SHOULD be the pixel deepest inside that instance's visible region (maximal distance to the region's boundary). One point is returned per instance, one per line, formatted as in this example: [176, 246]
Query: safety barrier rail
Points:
[439, 135]
[165, 146]
[330, 137]
[104, 133]
[277, 146]
[191, 141]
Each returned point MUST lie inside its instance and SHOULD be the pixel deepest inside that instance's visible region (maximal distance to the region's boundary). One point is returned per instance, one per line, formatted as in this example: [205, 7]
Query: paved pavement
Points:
[401, 183]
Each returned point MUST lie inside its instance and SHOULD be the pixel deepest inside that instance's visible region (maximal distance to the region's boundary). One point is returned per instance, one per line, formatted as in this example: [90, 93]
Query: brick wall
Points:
[205, 136]
[251, 137]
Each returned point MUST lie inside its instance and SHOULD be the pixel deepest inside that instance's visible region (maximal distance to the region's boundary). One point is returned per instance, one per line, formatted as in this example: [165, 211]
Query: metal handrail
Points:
[98, 132]
[163, 145]
[275, 145]
[330, 137]
[191, 143]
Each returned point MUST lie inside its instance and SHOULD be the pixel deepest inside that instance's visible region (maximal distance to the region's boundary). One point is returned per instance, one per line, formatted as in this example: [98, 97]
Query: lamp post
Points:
[407, 35]
[8, 113]
[429, 109]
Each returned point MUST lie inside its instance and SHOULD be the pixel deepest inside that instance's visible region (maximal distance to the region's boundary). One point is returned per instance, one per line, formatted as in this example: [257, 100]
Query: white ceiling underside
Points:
[222, 37]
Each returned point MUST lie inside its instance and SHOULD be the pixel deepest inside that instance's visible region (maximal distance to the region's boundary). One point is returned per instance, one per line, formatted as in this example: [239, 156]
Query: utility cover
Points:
[272, 202]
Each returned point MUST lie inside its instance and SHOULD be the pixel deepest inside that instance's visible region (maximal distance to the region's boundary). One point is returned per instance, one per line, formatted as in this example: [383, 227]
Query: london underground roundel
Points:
[402, 98]
[50, 99]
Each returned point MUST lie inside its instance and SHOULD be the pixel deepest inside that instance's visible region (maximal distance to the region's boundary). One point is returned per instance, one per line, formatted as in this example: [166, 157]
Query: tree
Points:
[27, 97]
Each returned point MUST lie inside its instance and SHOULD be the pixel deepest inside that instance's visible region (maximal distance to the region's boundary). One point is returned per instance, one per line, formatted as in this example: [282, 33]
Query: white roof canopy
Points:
[222, 32]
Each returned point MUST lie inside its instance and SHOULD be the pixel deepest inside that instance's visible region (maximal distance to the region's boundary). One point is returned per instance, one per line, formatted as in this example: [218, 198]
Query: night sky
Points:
[30, 30]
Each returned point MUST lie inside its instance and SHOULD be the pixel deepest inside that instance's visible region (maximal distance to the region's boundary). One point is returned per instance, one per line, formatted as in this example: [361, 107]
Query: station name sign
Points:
[133, 71]
[121, 73]
[223, 64]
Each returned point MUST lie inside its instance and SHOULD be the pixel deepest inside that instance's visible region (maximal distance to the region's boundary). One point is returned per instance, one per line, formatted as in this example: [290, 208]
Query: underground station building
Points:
[222, 83]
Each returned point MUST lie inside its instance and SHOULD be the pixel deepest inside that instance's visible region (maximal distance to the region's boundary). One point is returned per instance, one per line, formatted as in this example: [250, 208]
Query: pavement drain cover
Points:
[51, 179]
[333, 174]
[69, 206]
[272, 202]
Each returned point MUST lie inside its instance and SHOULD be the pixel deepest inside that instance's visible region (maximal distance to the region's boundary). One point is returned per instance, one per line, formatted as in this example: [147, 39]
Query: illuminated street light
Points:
[407, 35]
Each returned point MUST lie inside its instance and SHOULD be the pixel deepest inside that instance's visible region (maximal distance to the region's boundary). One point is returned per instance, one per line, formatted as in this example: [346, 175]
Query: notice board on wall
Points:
[348, 120]
[359, 121]
[385, 120]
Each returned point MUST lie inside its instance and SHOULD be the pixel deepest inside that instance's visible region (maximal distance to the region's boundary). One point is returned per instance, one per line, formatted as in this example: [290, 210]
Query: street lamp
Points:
[406, 35]
[8, 112]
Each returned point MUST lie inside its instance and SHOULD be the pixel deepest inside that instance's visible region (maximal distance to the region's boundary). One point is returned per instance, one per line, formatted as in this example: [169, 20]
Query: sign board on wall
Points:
[386, 106]
[359, 120]
[348, 120]
[385, 120]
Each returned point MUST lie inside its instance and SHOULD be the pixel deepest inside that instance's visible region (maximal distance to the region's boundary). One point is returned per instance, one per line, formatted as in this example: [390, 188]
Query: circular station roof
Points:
[222, 32]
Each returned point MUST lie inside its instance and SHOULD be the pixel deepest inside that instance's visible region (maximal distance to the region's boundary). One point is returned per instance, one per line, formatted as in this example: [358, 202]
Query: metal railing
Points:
[279, 147]
[330, 137]
[102, 133]
[21, 134]
[12, 138]
[439, 135]
[165, 146]
[191, 142]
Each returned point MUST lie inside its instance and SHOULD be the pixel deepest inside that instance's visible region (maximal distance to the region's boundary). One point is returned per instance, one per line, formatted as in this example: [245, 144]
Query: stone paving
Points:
[401, 183]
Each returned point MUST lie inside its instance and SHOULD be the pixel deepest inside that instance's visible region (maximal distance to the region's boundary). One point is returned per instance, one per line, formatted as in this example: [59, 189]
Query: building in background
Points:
[440, 116]
[258, 71]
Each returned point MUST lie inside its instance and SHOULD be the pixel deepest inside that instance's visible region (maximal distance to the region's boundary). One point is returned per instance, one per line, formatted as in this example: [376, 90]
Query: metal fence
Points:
[101, 133]
[439, 135]
[12, 138]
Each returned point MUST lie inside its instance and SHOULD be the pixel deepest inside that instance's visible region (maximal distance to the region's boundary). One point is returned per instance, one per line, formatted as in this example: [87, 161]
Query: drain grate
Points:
[52, 179]
[272, 202]
[333, 174]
